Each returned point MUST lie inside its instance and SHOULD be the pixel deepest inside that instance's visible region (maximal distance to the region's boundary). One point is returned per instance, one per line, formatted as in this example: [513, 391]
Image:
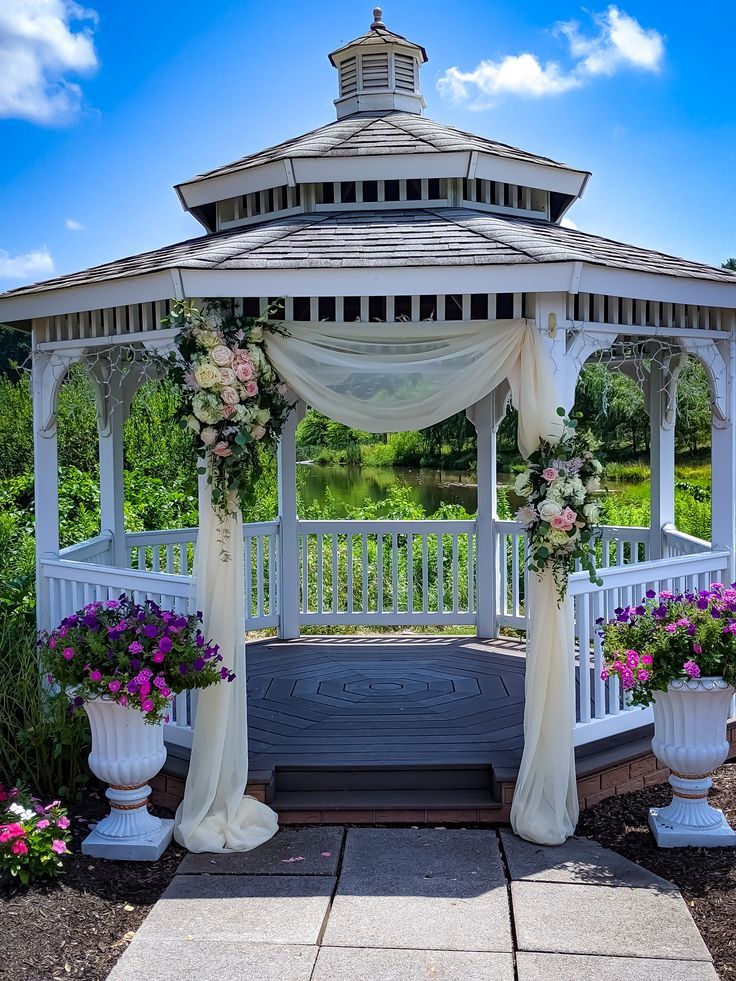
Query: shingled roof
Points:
[377, 134]
[416, 237]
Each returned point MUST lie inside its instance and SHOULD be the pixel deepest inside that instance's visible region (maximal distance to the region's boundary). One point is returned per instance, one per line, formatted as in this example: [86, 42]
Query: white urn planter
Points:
[690, 738]
[126, 753]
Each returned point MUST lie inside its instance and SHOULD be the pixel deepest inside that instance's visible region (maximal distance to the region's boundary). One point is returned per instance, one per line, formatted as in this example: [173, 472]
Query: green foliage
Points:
[33, 837]
[15, 348]
[154, 443]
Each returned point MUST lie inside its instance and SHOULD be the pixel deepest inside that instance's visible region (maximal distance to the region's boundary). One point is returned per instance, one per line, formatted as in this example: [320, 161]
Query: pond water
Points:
[351, 486]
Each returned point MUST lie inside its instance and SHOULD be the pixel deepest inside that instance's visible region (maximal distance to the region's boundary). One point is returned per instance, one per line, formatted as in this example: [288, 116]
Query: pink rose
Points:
[227, 376]
[560, 524]
[569, 515]
[221, 355]
[244, 371]
[550, 474]
[222, 449]
[251, 389]
[230, 396]
[227, 410]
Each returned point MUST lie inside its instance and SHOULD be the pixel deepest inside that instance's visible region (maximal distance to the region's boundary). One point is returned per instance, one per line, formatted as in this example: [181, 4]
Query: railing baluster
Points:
[583, 630]
[364, 564]
[259, 576]
[335, 546]
[515, 607]
[379, 570]
[248, 578]
[320, 604]
[395, 572]
[410, 572]
[349, 560]
[425, 573]
[455, 574]
[440, 573]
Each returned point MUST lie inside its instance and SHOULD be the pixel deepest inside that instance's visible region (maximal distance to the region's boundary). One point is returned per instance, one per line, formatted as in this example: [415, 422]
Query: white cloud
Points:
[39, 49]
[73, 225]
[621, 42]
[29, 265]
[568, 223]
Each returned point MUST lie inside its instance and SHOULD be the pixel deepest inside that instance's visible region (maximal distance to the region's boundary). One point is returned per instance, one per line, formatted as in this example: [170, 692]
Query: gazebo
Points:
[385, 220]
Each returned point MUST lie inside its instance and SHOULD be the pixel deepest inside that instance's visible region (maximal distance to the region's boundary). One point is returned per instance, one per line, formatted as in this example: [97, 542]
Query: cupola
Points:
[379, 71]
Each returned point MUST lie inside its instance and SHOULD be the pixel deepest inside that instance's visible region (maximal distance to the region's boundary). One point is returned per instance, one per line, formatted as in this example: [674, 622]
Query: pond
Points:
[352, 486]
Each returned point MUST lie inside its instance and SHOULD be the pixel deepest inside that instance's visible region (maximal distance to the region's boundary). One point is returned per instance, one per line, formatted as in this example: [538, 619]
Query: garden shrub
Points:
[33, 838]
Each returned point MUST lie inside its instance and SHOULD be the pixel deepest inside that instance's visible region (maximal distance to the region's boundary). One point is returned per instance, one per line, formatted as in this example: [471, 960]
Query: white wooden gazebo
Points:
[386, 216]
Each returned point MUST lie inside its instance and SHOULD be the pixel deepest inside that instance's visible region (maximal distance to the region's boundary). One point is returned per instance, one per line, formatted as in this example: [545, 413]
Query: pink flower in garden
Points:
[642, 675]
[251, 389]
[632, 659]
[691, 668]
[63, 823]
[647, 659]
[697, 649]
[19, 847]
[95, 675]
[157, 657]
[569, 515]
[147, 704]
[244, 371]
[670, 628]
[58, 846]
[43, 824]
[10, 831]
[136, 647]
[227, 411]
[123, 700]
[604, 675]
[549, 474]
[165, 644]
[114, 685]
[68, 653]
[52, 642]
[222, 449]
[561, 523]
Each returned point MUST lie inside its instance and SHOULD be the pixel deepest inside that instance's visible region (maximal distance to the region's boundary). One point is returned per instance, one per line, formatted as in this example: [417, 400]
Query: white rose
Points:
[208, 436]
[227, 376]
[256, 334]
[523, 485]
[222, 356]
[591, 513]
[262, 416]
[230, 396]
[206, 374]
[548, 510]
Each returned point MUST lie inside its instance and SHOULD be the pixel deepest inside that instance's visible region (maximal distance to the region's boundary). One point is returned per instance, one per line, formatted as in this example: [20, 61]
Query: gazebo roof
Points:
[412, 237]
[379, 133]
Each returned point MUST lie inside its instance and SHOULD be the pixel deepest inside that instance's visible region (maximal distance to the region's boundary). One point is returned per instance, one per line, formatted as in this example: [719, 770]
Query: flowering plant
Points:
[32, 837]
[562, 484]
[135, 655]
[671, 636]
[232, 399]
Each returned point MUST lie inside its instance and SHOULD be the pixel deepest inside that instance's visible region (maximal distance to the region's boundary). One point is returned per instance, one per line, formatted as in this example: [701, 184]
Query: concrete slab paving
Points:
[423, 851]
[604, 920]
[350, 964]
[423, 913]
[205, 960]
[241, 908]
[579, 861]
[576, 967]
[292, 851]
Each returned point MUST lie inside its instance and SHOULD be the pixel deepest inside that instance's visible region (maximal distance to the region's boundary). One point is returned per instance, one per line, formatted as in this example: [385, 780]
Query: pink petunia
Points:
[63, 822]
[58, 846]
[43, 824]
[68, 653]
[19, 847]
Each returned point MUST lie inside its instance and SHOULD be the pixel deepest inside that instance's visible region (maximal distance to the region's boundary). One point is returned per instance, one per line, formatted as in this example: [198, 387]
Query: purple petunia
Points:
[151, 630]
[165, 644]
[135, 647]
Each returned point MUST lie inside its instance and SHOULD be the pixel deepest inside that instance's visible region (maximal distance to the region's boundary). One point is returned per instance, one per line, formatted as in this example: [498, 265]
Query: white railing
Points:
[678, 543]
[601, 707]
[169, 551]
[618, 546]
[387, 572]
[97, 550]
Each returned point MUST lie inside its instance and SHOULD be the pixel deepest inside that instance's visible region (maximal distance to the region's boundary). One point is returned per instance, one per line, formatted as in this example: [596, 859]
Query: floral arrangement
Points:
[671, 636]
[562, 484]
[135, 655]
[232, 399]
[33, 838]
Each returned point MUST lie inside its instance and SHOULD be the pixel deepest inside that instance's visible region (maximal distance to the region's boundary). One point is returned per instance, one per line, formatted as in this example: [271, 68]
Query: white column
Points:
[723, 457]
[485, 566]
[551, 319]
[661, 406]
[46, 477]
[112, 516]
[289, 625]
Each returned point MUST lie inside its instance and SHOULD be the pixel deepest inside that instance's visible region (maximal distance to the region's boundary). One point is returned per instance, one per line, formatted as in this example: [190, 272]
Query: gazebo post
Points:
[481, 415]
[288, 584]
[110, 418]
[46, 377]
[661, 397]
[723, 458]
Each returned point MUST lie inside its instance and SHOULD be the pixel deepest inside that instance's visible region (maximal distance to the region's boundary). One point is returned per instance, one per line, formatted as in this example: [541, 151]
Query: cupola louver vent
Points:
[348, 76]
[375, 71]
[404, 71]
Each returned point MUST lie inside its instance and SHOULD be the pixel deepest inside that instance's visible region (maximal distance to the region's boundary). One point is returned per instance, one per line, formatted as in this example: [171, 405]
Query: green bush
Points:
[378, 455]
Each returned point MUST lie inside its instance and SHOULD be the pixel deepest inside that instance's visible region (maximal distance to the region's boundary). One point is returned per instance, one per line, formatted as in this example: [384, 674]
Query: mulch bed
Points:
[705, 876]
[78, 926]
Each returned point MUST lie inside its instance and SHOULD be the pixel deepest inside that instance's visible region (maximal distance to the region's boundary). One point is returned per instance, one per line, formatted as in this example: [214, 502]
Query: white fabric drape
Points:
[215, 815]
[403, 376]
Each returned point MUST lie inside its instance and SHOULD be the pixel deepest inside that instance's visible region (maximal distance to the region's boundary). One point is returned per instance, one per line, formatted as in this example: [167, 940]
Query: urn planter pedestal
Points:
[126, 753]
[690, 738]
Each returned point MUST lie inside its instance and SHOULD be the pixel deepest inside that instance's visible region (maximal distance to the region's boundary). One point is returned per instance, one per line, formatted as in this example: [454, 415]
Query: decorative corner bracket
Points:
[717, 358]
[49, 371]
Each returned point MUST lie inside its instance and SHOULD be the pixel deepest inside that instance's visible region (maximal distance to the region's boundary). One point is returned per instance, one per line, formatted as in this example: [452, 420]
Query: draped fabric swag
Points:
[383, 377]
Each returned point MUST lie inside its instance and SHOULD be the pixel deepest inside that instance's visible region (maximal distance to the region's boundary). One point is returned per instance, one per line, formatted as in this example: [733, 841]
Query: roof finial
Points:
[377, 22]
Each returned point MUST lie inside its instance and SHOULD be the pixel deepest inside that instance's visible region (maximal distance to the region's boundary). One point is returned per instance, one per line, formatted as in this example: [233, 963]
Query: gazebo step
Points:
[361, 800]
[376, 779]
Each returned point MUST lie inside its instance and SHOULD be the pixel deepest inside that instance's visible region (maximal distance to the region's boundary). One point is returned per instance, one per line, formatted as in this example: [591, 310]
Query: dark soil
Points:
[78, 926]
[705, 876]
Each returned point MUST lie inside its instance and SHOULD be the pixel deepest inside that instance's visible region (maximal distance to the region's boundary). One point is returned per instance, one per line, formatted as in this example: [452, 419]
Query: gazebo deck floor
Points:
[391, 728]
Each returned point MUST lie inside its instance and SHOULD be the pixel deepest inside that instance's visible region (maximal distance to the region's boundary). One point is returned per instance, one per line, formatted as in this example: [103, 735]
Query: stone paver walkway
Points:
[405, 904]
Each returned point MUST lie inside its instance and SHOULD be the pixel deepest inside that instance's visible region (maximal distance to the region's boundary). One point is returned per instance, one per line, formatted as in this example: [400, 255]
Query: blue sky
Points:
[103, 109]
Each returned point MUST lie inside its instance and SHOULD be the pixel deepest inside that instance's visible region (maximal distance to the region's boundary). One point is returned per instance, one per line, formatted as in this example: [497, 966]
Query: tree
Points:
[729, 264]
